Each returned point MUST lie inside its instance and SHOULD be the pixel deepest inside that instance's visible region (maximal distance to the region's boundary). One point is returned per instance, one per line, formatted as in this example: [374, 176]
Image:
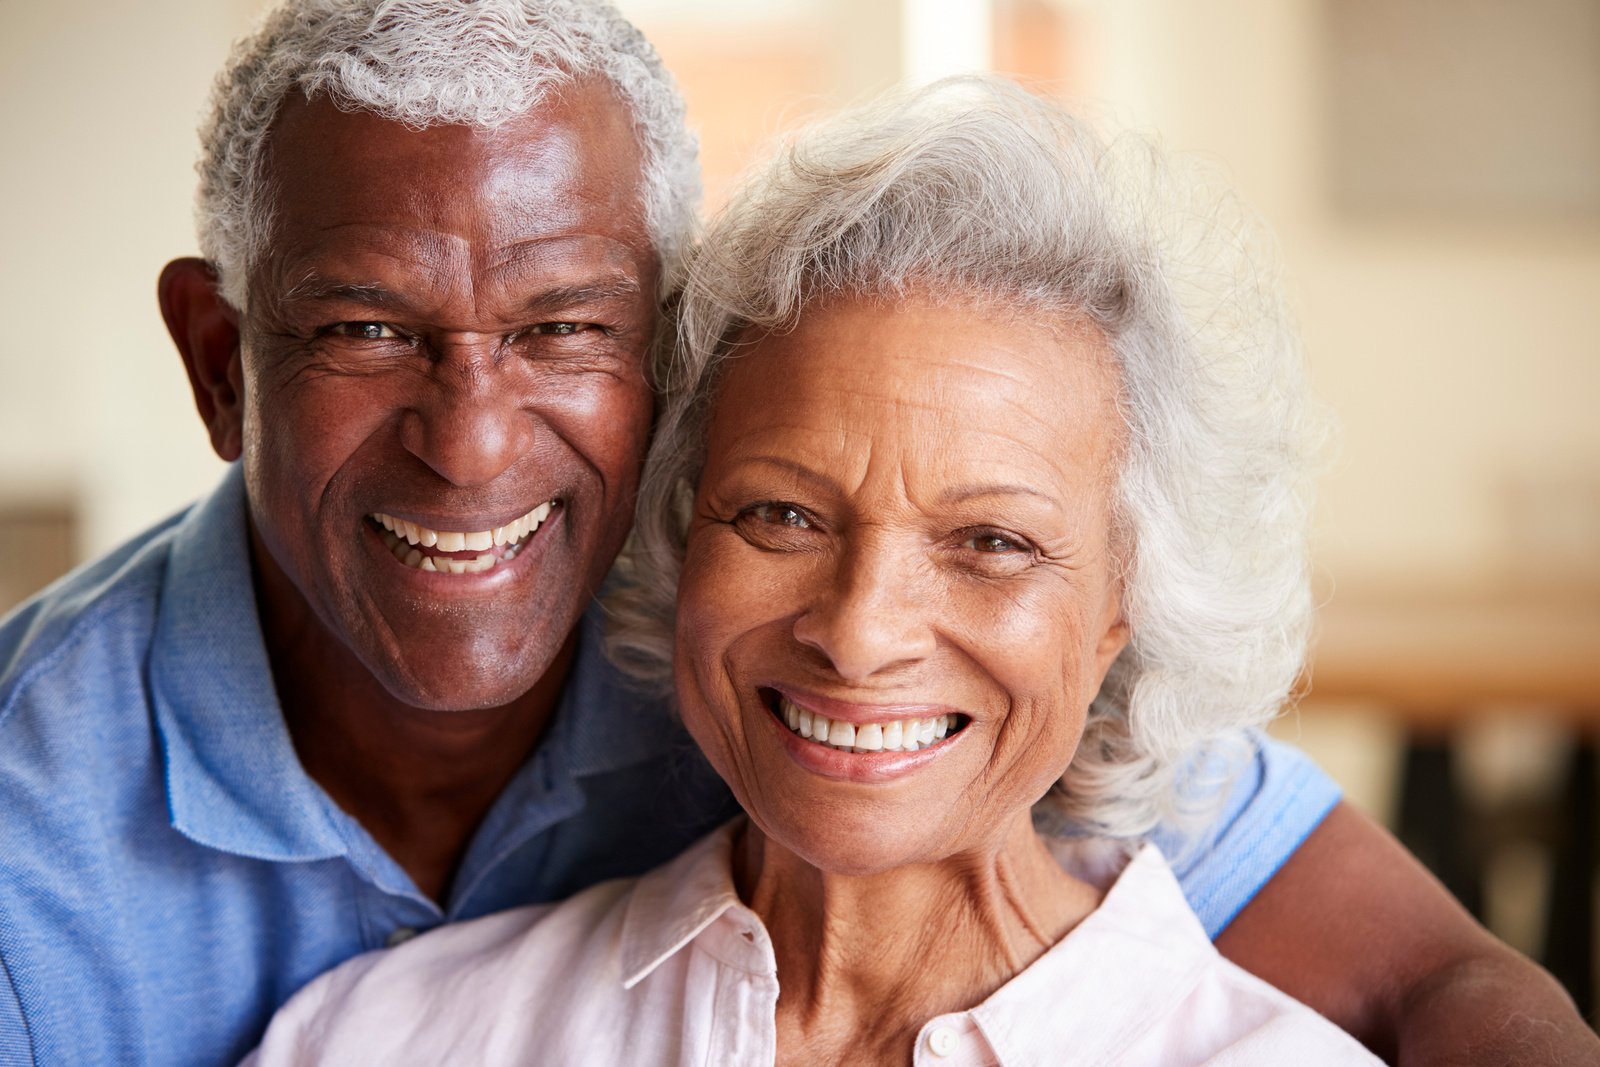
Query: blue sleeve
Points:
[16, 1047]
[1277, 800]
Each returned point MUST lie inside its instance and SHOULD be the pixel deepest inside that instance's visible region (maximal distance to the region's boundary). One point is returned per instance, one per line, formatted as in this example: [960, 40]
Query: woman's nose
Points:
[872, 616]
[472, 424]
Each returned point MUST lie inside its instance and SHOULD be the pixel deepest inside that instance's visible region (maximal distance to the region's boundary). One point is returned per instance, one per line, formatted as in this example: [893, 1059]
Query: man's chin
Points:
[449, 658]
[453, 679]
[451, 692]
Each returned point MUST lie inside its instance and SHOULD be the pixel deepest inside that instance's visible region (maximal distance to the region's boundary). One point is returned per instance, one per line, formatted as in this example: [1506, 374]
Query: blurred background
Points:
[1432, 168]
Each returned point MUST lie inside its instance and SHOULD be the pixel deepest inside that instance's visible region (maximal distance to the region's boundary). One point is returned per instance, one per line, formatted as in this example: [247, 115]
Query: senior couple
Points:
[970, 548]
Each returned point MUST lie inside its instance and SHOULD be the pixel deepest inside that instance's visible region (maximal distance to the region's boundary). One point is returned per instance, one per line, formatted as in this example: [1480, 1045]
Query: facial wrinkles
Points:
[459, 244]
[455, 289]
[924, 425]
[893, 457]
[463, 323]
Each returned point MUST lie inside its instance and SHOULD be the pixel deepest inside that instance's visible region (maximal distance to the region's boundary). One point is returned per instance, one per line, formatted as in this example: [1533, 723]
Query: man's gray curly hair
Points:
[426, 63]
[974, 189]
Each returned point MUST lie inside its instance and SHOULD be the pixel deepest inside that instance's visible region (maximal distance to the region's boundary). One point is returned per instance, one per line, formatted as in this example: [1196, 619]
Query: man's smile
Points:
[455, 551]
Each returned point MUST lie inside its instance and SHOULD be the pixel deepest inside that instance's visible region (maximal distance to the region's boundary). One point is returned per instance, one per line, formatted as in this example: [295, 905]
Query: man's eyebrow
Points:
[315, 287]
[551, 300]
[561, 296]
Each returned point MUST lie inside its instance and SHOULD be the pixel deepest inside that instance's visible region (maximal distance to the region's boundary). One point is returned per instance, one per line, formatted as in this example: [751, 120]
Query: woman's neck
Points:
[865, 961]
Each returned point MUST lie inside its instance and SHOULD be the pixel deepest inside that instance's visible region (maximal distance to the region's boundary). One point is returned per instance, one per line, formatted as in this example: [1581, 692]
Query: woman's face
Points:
[901, 541]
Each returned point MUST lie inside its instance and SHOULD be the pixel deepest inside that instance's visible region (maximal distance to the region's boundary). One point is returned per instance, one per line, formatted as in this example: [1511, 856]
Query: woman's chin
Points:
[853, 839]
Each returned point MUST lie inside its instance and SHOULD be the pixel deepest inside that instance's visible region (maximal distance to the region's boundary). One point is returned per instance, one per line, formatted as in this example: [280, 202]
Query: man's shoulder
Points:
[1275, 798]
[93, 620]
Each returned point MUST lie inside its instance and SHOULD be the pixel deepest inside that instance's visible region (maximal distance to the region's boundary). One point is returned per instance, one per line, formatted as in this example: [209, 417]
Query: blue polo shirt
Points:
[169, 874]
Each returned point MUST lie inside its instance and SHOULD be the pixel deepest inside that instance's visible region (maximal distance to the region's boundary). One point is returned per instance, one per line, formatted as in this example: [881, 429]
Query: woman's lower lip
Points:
[829, 762]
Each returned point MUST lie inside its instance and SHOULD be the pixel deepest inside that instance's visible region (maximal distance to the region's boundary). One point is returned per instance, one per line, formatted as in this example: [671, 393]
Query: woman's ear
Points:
[206, 330]
[1114, 636]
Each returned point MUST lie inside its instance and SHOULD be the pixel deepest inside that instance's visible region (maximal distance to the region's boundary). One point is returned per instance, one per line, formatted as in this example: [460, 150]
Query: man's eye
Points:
[562, 327]
[366, 331]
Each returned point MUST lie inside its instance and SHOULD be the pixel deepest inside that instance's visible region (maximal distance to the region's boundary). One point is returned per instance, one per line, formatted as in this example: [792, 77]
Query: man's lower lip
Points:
[830, 762]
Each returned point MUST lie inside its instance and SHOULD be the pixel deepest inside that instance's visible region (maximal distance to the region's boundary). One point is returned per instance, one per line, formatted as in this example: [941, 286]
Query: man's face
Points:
[444, 395]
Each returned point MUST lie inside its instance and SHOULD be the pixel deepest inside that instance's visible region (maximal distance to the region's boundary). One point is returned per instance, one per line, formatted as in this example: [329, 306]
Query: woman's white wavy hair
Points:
[974, 189]
[427, 63]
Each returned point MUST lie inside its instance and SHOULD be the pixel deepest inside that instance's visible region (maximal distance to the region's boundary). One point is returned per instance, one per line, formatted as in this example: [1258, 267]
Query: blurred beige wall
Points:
[96, 183]
[1461, 355]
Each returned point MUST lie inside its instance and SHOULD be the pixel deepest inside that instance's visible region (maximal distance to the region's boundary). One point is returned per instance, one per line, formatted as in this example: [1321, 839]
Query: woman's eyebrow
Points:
[971, 490]
[791, 466]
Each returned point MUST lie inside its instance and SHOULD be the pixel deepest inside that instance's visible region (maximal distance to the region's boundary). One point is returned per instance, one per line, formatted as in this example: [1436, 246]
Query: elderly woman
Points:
[976, 514]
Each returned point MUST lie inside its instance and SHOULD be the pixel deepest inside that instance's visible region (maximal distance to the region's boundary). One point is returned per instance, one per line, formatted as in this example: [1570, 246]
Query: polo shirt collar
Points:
[233, 780]
[602, 724]
[605, 722]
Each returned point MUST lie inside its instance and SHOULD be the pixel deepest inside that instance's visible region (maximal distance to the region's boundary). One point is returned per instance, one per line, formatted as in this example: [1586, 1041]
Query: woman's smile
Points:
[859, 742]
[878, 734]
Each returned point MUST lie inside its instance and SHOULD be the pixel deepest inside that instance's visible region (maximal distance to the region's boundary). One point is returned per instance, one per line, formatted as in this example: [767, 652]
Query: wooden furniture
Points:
[1437, 661]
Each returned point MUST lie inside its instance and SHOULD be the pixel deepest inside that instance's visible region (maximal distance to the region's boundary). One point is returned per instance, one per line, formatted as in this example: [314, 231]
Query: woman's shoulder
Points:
[1148, 981]
[1247, 1021]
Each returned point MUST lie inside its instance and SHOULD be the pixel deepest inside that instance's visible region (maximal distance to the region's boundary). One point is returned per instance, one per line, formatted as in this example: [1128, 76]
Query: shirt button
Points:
[401, 936]
[942, 1041]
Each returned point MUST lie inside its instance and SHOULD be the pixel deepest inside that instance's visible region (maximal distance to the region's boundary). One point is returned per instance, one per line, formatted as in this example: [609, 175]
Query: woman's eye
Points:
[779, 515]
[994, 544]
[366, 331]
[560, 328]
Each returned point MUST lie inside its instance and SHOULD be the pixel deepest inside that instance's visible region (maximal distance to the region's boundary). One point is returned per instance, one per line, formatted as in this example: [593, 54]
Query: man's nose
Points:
[872, 614]
[472, 423]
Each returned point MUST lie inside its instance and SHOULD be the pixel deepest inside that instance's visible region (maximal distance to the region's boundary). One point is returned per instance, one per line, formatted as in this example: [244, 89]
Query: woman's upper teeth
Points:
[897, 735]
[459, 541]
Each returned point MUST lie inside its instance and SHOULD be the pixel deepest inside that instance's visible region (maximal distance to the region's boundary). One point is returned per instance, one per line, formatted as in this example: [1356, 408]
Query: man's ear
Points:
[206, 330]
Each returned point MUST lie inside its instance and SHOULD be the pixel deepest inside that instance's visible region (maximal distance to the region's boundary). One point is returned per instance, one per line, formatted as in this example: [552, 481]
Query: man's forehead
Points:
[562, 181]
[579, 142]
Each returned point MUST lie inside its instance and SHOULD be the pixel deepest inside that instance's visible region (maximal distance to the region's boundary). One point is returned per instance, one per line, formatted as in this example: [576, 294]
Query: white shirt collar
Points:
[1132, 958]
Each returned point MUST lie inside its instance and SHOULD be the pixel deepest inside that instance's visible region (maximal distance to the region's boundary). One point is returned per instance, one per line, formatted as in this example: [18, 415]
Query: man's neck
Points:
[419, 780]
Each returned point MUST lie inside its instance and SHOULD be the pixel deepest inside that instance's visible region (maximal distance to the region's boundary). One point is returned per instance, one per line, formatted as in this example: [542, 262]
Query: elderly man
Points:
[357, 691]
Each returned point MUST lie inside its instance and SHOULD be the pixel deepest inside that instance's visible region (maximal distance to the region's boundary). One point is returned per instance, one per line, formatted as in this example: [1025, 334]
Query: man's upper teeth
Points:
[898, 735]
[458, 541]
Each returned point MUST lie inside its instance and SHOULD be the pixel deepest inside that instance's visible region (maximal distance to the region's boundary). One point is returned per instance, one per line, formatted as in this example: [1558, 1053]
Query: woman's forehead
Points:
[959, 387]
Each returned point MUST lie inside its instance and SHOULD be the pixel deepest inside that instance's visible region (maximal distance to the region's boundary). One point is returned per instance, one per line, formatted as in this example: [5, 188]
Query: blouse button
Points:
[942, 1041]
